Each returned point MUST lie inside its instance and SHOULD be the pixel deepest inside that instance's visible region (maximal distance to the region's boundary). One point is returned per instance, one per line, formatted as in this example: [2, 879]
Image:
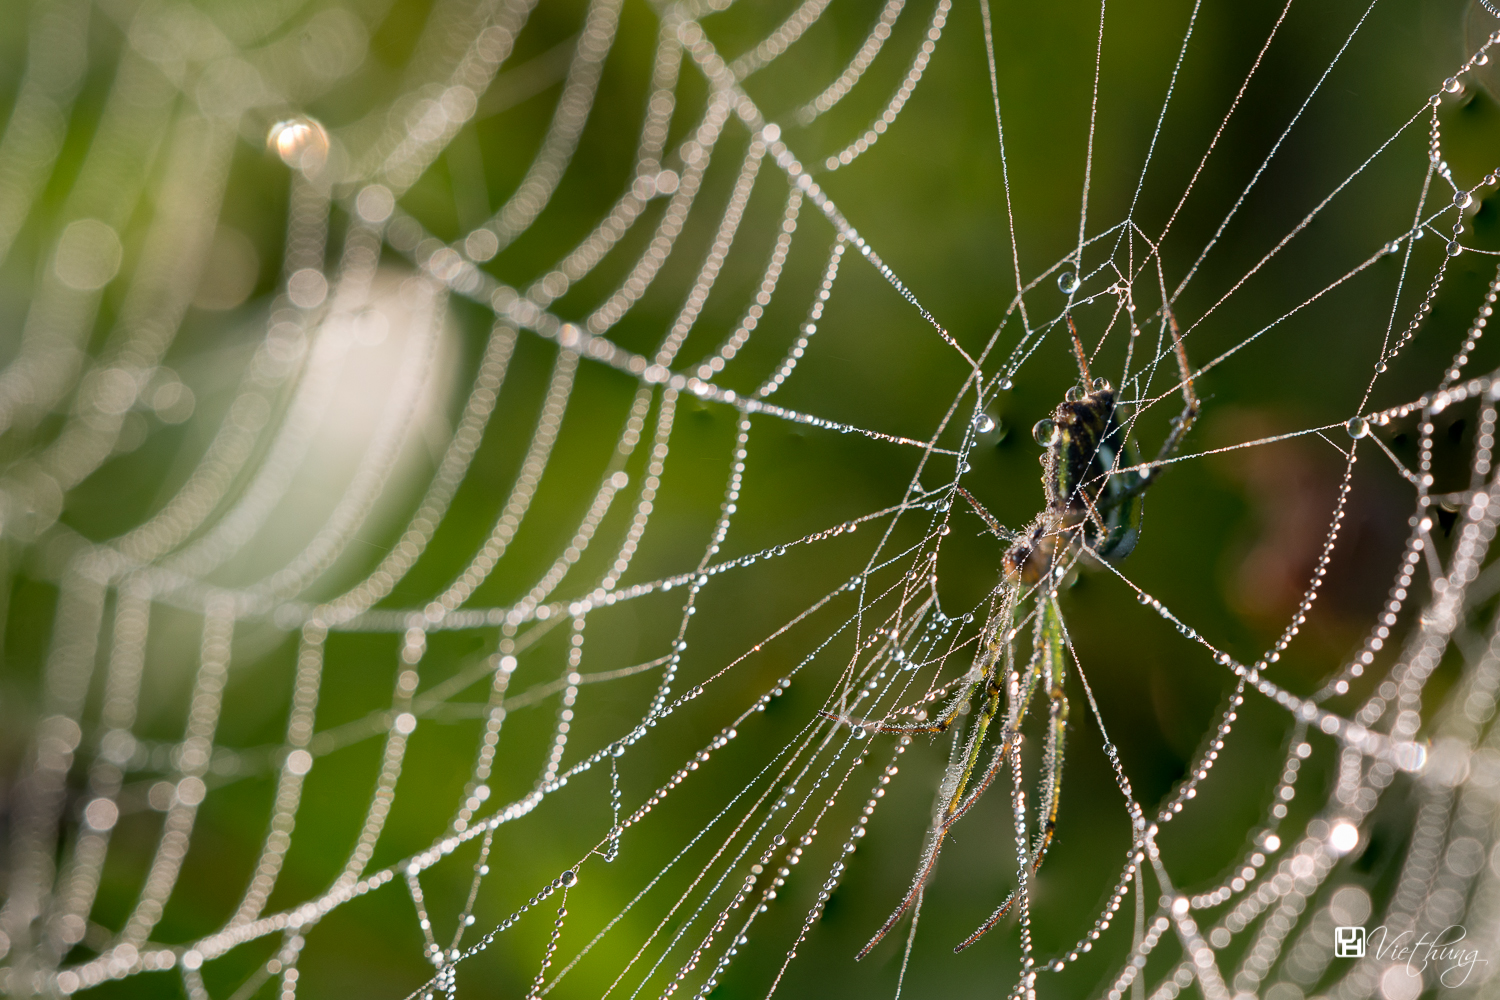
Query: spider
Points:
[1088, 511]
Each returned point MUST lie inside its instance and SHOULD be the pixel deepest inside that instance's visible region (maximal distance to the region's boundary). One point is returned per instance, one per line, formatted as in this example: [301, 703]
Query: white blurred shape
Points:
[334, 43]
[481, 245]
[1465, 856]
[299, 762]
[1350, 906]
[369, 418]
[1398, 983]
[375, 203]
[101, 814]
[173, 402]
[88, 255]
[307, 288]
[190, 791]
[302, 144]
[1344, 836]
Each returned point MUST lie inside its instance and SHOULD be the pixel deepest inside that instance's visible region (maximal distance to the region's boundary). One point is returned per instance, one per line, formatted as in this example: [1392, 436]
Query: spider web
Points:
[507, 531]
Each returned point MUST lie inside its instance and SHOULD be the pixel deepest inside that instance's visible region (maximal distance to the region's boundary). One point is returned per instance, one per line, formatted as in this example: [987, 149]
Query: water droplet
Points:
[1143, 597]
[1044, 431]
[1357, 427]
[1453, 85]
[1074, 393]
[568, 877]
[1393, 246]
[984, 423]
[1462, 199]
[302, 144]
[858, 732]
[779, 840]
[964, 467]
[1381, 367]
[1067, 282]
[1454, 248]
[1005, 385]
[1102, 385]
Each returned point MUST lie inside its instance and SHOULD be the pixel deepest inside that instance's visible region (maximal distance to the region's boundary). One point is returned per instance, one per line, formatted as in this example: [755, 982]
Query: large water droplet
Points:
[1102, 385]
[1453, 85]
[1462, 199]
[858, 732]
[1067, 282]
[302, 144]
[1044, 431]
[984, 423]
[1454, 248]
[1005, 385]
[1357, 427]
[1074, 394]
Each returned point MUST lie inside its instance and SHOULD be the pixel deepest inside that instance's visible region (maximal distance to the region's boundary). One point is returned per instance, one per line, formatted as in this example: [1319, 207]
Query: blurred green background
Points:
[1227, 543]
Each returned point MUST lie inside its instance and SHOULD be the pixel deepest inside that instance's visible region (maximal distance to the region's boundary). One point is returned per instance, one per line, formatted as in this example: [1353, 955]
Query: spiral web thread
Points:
[187, 89]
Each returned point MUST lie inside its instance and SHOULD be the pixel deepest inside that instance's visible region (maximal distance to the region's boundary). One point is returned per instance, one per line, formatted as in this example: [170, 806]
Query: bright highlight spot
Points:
[299, 762]
[301, 143]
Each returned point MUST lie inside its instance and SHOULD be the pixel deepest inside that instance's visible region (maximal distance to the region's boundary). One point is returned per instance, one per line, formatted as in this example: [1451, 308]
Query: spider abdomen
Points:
[1081, 453]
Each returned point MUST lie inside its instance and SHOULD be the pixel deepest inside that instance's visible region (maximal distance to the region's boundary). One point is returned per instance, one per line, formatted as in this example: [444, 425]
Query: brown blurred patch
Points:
[1291, 487]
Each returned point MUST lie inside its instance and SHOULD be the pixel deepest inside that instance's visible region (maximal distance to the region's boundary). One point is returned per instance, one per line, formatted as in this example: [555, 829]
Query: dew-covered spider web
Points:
[458, 455]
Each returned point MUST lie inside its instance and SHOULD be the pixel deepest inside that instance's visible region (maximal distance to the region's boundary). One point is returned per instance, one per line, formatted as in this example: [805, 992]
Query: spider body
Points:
[1087, 503]
[1091, 480]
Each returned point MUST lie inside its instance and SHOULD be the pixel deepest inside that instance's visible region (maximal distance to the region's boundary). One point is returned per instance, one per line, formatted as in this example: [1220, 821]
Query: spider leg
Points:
[1083, 361]
[983, 672]
[939, 725]
[940, 828]
[994, 919]
[995, 527]
[934, 728]
[1046, 663]
[1056, 731]
[1184, 421]
[1053, 673]
[988, 666]
[1011, 734]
